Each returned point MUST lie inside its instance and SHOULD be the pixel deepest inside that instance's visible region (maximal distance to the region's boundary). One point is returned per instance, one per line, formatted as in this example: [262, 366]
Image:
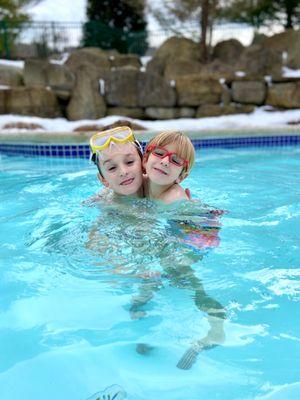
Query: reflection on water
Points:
[151, 245]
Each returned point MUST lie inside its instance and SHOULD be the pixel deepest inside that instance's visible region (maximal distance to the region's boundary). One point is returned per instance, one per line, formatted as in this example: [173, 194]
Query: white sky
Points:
[59, 10]
[75, 11]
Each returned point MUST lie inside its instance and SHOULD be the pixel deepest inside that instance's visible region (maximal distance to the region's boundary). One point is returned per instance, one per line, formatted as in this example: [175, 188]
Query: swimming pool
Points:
[69, 274]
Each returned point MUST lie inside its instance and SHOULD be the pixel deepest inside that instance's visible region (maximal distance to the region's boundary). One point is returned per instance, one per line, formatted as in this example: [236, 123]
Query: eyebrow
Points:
[110, 160]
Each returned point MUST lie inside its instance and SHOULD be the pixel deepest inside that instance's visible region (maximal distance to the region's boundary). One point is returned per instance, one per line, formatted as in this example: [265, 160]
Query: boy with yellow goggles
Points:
[118, 157]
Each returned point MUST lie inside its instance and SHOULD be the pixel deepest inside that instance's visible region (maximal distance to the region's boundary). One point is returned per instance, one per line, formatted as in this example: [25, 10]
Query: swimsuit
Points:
[188, 193]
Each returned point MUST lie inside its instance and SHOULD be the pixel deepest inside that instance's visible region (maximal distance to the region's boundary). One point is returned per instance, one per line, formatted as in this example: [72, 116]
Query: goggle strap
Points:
[139, 146]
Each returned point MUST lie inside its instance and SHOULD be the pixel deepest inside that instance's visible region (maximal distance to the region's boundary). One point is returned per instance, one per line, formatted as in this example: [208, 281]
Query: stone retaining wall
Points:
[94, 83]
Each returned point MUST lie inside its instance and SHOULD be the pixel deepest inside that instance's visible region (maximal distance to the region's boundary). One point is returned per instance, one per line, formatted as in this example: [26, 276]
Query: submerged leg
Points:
[146, 292]
[214, 337]
[183, 276]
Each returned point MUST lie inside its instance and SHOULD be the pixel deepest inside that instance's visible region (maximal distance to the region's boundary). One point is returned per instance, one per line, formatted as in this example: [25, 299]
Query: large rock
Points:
[185, 112]
[217, 70]
[35, 73]
[178, 47]
[293, 57]
[121, 87]
[156, 66]
[228, 51]
[172, 49]
[181, 67]
[169, 113]
[289, 42]
[86, 101]
[36, 101]
[42, 73]
[226, 95]
[259, 38]
[3, 101]
[258, 61]
[92, 56]
[283, 41]
[125, 60]
[216, 110]
[155, 91]
[284, 95]
[60, 79]
[11, 76]
[212, 71]
[249, 92]
[192, 90]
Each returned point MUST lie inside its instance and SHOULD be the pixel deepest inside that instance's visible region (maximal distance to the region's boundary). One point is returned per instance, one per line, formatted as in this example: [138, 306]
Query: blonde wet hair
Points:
[185, 148]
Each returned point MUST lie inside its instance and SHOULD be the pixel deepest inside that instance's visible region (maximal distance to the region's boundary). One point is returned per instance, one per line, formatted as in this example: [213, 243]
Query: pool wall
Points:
[76, 145]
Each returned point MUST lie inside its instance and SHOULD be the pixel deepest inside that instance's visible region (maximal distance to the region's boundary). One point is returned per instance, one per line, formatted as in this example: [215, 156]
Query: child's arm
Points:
[105, 194]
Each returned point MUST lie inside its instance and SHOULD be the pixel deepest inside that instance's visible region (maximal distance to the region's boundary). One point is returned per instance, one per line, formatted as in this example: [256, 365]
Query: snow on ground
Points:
[290, 73]
[11, 63]
[260, 118]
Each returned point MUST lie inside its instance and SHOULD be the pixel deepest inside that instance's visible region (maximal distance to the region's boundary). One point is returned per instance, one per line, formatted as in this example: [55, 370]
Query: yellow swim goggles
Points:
[101, 140]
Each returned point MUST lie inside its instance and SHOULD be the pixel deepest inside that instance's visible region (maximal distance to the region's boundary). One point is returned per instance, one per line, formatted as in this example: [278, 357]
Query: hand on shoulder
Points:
[104, 194]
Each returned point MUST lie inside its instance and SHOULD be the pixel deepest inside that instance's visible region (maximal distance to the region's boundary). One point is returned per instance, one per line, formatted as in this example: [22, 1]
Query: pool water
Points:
[115, 294]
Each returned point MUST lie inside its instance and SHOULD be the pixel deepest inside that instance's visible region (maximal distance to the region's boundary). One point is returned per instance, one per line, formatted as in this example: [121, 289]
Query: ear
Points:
[102, 180]
[144, 162]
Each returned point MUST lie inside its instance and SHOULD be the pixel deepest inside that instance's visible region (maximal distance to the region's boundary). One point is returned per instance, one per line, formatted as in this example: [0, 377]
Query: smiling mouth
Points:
[127, 182]
[160, 171]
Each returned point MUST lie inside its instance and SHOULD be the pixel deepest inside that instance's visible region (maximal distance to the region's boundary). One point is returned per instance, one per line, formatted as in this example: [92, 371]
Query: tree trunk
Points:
[204, 27]
[289, 10]
[211, 17]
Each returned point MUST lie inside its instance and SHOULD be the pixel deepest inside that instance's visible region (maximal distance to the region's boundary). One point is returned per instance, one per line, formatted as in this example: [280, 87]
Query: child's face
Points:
[121, 168]
[160, 170]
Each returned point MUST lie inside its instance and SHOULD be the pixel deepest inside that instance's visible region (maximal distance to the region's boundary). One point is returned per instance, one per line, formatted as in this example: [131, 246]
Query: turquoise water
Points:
[96, 296]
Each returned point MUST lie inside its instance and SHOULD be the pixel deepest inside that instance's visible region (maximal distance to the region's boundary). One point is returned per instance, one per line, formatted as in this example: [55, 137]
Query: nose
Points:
[123, 171]
[165, 160]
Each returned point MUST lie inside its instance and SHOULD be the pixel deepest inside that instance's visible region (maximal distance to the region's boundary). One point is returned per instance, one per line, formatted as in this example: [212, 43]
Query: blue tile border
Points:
[46, 150]
[82, 150]
[251, 141]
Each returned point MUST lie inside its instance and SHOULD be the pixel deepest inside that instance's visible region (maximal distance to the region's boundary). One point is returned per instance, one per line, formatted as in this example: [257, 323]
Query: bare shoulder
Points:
[174, 193]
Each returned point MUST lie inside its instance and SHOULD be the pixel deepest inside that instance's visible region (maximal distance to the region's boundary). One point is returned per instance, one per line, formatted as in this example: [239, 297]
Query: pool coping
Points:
[83, 137]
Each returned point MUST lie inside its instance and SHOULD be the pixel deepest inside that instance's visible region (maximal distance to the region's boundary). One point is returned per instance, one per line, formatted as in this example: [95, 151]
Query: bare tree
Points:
[176, 15]
[262, 12]
[13, 16]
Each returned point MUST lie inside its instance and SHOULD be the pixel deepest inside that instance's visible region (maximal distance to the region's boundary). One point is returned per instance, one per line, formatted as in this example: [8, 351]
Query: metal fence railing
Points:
[43, 39]
[38, 39]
